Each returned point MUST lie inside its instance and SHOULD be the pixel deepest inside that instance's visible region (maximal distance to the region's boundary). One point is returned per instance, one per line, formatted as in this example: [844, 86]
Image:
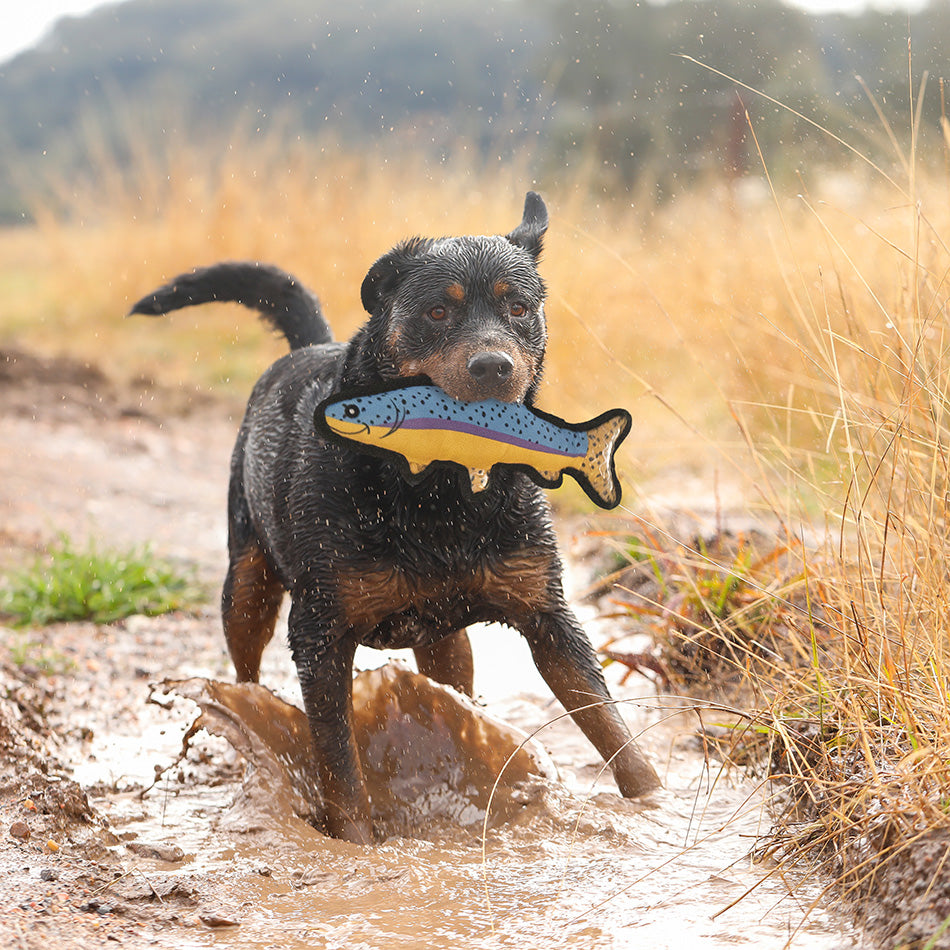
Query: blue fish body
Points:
[424, 425]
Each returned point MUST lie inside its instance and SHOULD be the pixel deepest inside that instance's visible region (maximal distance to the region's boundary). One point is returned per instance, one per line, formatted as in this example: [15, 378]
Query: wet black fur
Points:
[326, 516]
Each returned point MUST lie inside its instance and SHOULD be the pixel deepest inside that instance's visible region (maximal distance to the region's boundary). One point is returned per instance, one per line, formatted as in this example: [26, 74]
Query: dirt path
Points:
[135, 466]
[86, 860]
[79, 457]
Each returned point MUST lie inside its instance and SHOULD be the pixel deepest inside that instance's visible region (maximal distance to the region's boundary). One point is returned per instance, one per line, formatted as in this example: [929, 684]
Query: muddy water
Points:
[430, 757]
[564, 862]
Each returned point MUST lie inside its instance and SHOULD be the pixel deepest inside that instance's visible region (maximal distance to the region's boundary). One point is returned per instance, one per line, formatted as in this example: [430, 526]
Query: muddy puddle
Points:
[561, 859]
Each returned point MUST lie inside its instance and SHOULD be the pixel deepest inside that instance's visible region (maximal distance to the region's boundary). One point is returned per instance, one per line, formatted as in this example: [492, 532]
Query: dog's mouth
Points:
[469, 393]
[485, 374]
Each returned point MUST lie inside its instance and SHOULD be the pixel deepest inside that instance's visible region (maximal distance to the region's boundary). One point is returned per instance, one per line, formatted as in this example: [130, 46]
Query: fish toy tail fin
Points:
[605, 434]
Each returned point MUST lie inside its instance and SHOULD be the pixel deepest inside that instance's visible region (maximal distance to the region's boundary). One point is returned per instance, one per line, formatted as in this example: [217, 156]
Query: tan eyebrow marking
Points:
[456, 292]
[501, 288]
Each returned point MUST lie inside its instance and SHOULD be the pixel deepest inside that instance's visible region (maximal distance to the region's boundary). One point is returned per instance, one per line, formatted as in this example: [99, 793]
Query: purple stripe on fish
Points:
[491, 434]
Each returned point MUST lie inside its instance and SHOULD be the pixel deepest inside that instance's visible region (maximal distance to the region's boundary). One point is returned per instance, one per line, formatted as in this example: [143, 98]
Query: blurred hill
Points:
[595, 82]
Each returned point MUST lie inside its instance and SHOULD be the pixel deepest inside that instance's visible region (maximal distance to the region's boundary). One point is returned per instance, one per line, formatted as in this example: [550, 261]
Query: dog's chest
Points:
[394, 603]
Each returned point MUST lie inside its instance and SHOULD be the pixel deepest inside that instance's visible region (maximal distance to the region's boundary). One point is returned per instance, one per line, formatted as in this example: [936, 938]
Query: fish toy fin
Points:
[597, 467]
[479, 478]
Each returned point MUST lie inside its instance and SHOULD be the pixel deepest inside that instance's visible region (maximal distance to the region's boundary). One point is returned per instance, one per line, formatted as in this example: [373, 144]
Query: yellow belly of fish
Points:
[448, 445]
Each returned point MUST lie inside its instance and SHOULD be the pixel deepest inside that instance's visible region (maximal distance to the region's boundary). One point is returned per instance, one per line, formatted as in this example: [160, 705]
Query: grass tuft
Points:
[69, 584]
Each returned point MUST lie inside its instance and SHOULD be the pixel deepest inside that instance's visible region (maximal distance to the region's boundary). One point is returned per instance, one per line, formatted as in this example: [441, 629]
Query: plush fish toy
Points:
[425, 426]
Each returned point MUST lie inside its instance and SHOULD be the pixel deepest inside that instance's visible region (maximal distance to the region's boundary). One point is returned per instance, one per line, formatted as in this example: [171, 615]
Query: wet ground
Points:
[109, 834]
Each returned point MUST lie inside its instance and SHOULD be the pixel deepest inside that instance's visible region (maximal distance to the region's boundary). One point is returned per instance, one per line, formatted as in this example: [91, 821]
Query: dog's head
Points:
[467, 312]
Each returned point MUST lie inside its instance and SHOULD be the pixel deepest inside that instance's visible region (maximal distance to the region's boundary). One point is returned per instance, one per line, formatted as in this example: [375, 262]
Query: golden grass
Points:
[794, 344]
[877, 696]
[682, 312]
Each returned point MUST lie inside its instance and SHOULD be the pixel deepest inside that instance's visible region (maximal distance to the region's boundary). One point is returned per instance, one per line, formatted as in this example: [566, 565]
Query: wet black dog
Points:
[367, 557]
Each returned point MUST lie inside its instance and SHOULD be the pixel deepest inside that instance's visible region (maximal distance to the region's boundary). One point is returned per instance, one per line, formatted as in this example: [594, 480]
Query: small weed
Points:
[71, 584]
[25, 651]
[636, 550]
[716, 607]
[634, 555]
[721, 591]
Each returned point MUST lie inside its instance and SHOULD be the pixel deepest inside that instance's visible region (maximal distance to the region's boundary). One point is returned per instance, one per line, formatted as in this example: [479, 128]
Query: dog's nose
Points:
[491, 367]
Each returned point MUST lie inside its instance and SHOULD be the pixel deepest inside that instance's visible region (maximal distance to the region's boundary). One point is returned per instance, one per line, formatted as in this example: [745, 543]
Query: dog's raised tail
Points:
[281, 300]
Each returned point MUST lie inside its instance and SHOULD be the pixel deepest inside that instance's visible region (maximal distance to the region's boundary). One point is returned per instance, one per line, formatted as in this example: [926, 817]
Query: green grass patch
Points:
[27, 652]
[70, 584]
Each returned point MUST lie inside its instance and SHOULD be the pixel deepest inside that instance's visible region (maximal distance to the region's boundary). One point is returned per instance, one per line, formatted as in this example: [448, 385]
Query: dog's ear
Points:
[534, 223]
[385, 275]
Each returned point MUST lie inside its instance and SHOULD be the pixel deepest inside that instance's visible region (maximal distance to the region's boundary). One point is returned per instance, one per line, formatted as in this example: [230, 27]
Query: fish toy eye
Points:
[351, 411]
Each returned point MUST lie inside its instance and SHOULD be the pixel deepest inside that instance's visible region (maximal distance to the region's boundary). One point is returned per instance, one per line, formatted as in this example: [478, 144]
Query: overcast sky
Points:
[25, 22]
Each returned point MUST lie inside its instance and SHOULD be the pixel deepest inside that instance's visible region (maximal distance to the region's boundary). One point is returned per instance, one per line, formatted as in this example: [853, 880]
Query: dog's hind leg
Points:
[250, 602]
[448, 661]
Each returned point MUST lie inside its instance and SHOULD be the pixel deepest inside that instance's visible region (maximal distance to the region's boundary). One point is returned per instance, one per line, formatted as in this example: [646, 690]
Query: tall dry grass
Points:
[840, 647]
[686, 312]
[869, 755]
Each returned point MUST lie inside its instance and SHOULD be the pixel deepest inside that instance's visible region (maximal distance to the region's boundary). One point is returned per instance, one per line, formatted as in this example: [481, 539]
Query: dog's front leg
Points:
[325, 668]
[566, 660]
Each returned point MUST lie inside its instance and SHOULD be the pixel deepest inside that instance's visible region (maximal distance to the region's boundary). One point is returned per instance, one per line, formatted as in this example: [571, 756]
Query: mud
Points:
[431, 758]
[109, 834]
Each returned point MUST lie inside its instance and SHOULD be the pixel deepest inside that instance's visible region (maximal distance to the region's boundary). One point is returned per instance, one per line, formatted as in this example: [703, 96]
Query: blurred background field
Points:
[711, 315]
[150, 137]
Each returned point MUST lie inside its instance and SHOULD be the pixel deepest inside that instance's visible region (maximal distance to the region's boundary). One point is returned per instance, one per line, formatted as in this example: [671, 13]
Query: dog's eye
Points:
[437, 313]
[351, 411]
[518, 309]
